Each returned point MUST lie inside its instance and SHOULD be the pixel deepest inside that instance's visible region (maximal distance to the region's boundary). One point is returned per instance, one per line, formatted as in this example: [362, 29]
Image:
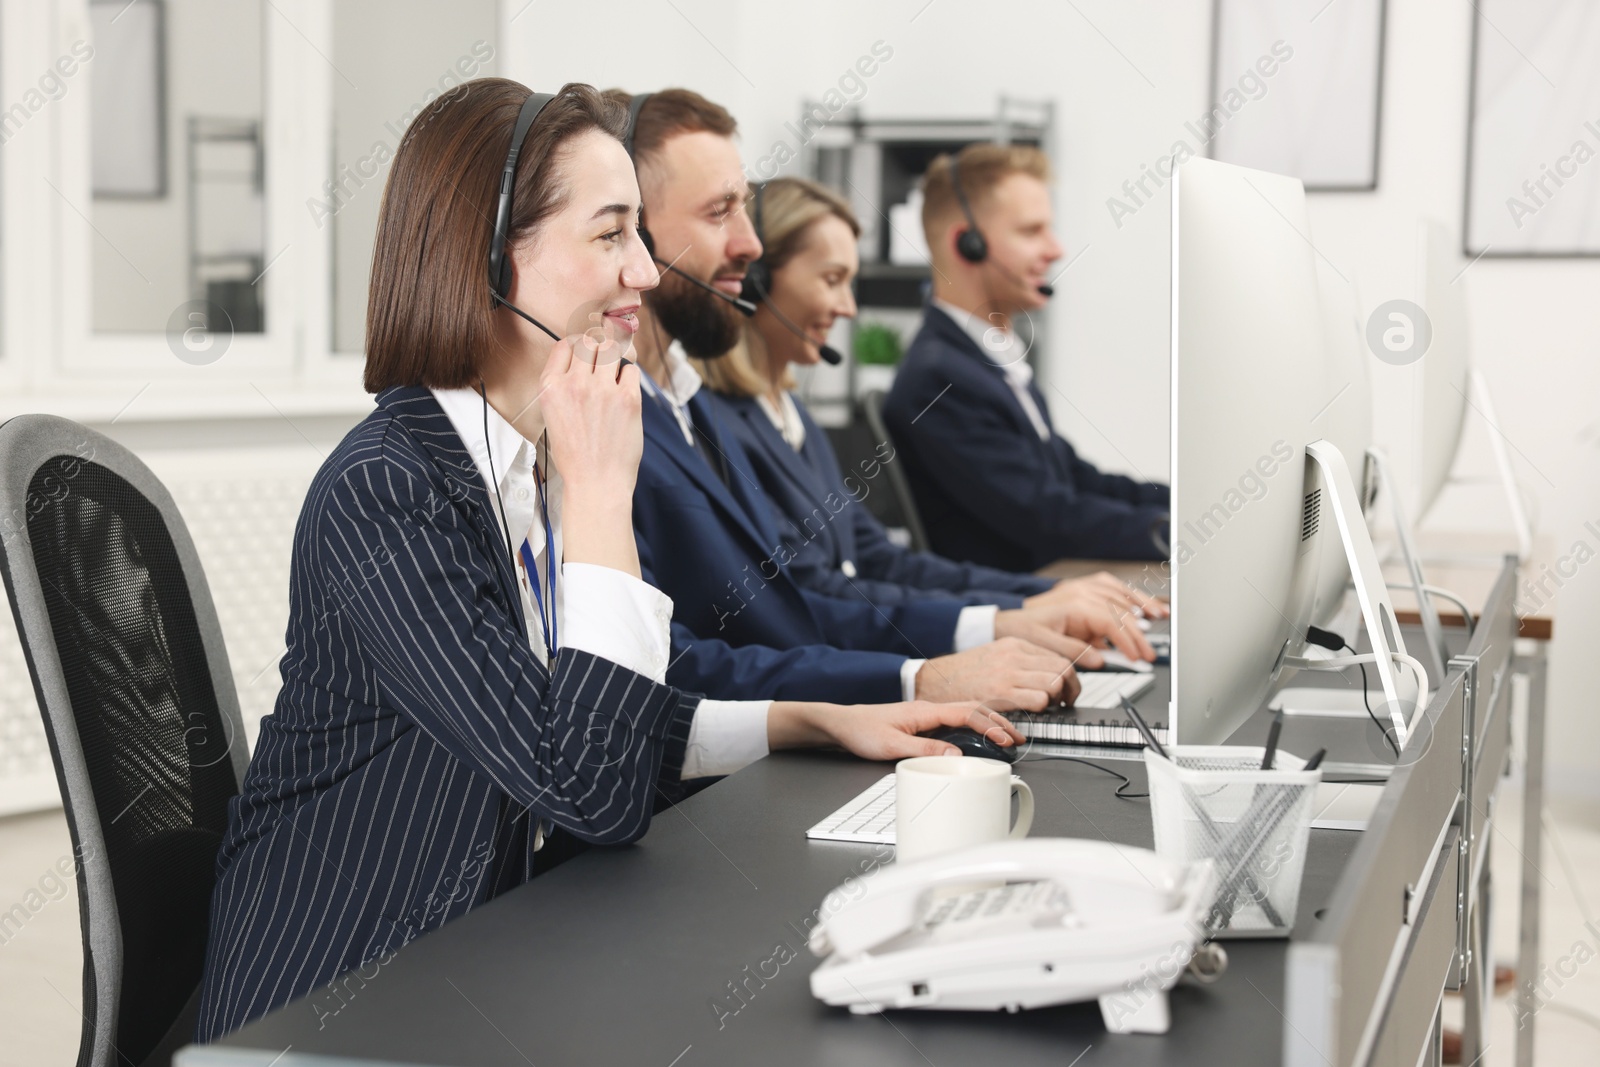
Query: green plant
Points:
[877, 345]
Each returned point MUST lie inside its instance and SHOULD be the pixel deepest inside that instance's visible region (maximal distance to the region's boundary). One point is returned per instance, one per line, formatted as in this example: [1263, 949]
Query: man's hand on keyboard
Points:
[1102, 588]
[1069, 629]
[1009, 674]
[882, 731]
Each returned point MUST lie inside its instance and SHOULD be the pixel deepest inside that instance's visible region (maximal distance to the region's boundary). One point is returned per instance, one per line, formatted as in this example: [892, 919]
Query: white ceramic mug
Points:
[943, 803]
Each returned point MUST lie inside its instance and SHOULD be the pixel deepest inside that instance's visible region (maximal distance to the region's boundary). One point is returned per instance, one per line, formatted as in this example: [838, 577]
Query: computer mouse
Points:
[972, 743]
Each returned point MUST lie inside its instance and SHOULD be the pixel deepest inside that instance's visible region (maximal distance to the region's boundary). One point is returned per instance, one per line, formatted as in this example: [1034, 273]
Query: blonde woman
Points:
[809, 236]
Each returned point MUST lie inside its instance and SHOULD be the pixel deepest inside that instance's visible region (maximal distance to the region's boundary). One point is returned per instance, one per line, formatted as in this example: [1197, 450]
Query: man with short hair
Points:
[994, 482]
[743, 628]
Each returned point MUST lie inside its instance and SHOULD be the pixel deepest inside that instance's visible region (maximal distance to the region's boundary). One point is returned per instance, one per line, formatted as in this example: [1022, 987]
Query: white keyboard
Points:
[1105, 689]
[868, 819]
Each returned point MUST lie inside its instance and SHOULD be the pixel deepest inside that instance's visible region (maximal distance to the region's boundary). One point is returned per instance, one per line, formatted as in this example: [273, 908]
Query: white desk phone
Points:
[1065, 920]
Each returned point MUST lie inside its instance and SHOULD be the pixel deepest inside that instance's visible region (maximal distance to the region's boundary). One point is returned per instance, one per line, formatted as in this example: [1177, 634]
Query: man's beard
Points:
[706, 325]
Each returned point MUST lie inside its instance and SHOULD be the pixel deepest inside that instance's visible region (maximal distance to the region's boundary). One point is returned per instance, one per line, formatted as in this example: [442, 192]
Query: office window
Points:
[391, 58]
[176, 162]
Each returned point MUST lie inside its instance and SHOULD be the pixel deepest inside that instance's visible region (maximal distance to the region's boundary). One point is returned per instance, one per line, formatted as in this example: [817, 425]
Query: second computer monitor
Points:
[1248, 378]
[1345, 419]
[1442, 400]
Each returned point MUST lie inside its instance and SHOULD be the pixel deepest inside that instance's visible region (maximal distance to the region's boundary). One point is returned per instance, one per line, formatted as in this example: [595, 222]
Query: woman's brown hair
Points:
[789, 208]
[429, 315]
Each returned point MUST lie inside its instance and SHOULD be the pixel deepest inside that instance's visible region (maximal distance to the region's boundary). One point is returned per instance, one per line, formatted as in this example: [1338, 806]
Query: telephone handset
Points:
[1061, 920]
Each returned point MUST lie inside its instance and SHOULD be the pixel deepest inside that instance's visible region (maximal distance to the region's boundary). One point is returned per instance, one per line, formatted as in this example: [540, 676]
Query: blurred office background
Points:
[189, 188]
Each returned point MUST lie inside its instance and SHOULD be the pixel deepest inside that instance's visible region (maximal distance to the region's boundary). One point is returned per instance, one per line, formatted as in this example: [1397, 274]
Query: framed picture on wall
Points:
[1533, 130]
[128, 105]
[1297, 89]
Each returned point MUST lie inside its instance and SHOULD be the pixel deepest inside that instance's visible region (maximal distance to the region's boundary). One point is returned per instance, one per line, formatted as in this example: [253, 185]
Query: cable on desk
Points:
[1119, 794]
[1443, 594]
[1335, 642]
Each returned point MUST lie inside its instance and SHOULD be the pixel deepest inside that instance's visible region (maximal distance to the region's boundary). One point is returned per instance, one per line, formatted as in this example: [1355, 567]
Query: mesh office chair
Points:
[872, 412]
[133, 682]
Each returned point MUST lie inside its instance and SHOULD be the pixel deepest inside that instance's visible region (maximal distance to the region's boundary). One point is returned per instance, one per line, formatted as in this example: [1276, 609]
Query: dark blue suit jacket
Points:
[742, 628]
[416, 738]
[988, 488]
[822, 521]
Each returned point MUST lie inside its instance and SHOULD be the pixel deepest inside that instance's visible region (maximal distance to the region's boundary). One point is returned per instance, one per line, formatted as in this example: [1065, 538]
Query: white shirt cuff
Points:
[725, 735]
[908, 678]
[975, 626]
[617, 617]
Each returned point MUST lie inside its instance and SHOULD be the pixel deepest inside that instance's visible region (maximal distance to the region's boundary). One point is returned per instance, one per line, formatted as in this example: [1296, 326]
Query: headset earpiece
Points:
[971, 246]
[757, 275]
[499, 255]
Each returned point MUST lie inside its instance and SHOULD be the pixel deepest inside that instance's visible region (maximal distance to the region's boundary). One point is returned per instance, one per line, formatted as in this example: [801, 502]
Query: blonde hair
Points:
[983, 166]
[789, 208]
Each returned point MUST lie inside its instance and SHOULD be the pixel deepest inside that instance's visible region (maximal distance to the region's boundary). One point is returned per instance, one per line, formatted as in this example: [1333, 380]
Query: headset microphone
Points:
[971, 245]
[758, 286]
[745, 307]
[830, 355]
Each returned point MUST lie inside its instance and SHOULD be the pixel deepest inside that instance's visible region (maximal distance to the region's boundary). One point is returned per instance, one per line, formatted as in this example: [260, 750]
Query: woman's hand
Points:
[882, 731]
[591, 412]
[1102, 588]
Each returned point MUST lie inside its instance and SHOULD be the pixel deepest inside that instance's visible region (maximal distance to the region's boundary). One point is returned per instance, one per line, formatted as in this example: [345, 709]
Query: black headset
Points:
[499, 261]
[746, 307]
[758, 284]
[971, 245]
[758, 276]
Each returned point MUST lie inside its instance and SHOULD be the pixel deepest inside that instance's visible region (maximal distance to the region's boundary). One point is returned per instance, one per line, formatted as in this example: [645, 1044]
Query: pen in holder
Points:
[1215, 802]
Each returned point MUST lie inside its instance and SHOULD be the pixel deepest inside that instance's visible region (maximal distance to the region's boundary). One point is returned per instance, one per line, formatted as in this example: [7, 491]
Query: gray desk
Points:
[621, 955]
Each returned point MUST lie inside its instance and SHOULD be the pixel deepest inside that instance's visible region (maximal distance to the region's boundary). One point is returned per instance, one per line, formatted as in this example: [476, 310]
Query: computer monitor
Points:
[1248, 376]
[1442, 395]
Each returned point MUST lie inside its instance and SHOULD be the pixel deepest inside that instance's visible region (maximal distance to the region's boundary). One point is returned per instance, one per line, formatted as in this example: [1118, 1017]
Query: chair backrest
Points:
[872, 412]
[128, 664]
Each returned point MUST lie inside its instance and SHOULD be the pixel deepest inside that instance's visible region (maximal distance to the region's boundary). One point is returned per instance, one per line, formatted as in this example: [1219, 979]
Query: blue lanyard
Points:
[547, 622]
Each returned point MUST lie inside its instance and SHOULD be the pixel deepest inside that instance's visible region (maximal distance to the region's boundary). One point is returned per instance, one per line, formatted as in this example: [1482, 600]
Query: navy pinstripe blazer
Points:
[417, 739]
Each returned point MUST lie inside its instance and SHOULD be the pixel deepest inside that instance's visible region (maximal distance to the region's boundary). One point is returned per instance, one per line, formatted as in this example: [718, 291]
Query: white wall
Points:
[1126, 75]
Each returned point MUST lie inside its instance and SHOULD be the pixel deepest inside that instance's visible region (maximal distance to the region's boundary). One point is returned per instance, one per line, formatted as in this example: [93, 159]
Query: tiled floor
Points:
[40, 963]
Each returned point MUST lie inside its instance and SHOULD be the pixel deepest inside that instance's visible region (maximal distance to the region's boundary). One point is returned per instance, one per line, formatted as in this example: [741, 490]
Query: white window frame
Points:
[51, 358]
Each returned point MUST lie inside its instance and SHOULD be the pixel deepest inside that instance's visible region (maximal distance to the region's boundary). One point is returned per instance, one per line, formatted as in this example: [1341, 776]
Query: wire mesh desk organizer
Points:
[1215, 802]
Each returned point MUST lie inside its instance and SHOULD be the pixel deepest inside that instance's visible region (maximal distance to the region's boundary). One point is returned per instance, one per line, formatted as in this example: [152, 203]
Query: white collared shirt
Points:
[683, 382]
[599, 610]
[1001, 345]
[785, 418]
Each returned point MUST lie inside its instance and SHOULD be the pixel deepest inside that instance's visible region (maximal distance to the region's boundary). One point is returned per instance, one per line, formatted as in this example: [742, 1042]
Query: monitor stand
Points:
[1383, 630]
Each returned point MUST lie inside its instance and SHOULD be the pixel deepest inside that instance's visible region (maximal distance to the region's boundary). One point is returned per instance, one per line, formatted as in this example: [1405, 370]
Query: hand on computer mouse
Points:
[883, 731]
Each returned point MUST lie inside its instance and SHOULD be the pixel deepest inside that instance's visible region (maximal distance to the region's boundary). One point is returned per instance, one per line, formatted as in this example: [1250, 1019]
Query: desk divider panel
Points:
[1340, 978]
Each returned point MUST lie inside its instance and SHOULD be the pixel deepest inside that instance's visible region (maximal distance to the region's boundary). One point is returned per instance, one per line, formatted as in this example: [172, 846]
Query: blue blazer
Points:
[988, 488]
[743, 629]
[822, 520]
[417, 739]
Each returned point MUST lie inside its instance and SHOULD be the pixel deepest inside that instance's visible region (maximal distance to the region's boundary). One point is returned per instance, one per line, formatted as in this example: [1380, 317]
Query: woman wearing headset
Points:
[473, 682]
[802, 286]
